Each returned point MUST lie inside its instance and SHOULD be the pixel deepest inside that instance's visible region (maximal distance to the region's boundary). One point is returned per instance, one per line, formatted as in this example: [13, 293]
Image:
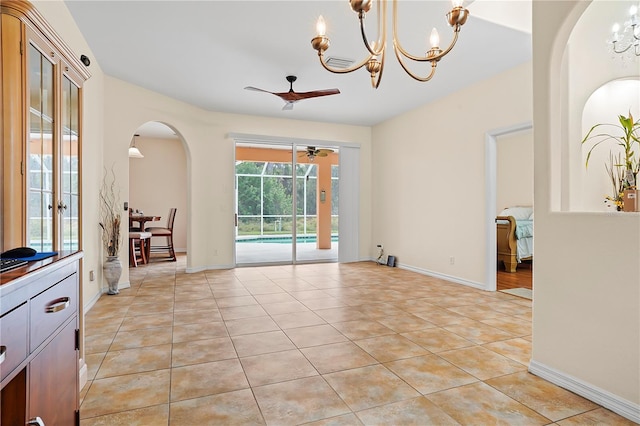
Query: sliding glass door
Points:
[282, 220]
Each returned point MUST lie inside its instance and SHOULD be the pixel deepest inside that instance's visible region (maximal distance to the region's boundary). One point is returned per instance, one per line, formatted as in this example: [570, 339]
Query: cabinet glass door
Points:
[40, 152]
[69, 168]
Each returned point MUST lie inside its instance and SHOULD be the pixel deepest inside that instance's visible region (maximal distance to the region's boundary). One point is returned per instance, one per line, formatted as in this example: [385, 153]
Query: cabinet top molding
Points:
[27, 13]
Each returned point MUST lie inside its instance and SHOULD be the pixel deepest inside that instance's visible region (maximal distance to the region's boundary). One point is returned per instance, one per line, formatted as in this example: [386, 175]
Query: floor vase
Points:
[112, 270]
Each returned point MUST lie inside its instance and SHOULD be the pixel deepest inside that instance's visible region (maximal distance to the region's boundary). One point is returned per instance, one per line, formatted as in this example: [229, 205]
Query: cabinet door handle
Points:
[36, 421]
[58, 305]
[3, 353]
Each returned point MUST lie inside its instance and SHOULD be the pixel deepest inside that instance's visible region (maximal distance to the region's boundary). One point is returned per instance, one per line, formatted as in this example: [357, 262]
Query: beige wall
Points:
[586, 324]
[429, 202]
[58, 16]
[514, 170]
[158, 182]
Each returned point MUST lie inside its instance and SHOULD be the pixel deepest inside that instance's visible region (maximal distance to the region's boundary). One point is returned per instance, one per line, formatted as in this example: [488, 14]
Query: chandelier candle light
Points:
[374, 62]
[629, 39]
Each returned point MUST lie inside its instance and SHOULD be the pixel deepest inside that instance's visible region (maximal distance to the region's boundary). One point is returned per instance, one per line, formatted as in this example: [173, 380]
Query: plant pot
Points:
[112, 270]
[631, 202]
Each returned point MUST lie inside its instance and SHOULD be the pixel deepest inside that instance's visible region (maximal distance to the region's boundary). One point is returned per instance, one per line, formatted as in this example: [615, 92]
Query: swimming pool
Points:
[280, 239]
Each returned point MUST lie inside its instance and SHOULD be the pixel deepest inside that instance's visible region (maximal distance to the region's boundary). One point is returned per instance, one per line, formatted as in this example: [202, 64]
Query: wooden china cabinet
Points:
[40, 199]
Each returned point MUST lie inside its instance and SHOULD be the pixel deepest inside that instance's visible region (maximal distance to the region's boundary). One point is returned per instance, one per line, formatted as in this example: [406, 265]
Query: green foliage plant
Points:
[627, 137]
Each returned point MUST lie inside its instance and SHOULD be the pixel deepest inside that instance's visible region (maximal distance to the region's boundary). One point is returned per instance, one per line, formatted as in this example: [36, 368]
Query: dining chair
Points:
[166, 232]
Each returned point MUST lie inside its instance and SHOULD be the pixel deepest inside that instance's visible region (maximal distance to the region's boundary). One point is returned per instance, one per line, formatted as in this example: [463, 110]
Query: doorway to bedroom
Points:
[514, 200]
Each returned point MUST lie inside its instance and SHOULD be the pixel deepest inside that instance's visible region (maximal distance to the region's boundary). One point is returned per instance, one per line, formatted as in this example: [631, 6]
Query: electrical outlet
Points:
[452, 260]
[92, 276]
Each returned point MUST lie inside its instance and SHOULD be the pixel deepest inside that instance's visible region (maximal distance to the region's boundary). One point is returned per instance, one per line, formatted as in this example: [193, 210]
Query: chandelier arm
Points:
[411, 74]
[342, 70]
[429, 58]
[375, 79]
[382, 35]
[623, 50]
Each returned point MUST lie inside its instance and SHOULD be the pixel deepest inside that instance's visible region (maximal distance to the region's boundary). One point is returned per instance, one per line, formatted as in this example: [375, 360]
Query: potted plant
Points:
[623, 168]
[110, 220]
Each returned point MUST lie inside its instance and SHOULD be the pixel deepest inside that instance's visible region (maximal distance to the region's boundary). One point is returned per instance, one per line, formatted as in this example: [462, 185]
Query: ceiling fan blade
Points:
[324, 151]
[257, 89]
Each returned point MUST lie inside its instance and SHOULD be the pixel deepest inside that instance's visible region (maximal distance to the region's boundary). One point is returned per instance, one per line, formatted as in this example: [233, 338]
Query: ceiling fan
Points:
[311, 152]
[292, 97]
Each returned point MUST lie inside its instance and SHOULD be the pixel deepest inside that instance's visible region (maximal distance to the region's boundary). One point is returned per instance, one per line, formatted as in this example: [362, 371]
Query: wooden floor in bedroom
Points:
[522, 278]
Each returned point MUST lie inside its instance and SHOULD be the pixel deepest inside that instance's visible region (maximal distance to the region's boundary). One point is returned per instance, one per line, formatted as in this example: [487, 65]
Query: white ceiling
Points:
[205, 52]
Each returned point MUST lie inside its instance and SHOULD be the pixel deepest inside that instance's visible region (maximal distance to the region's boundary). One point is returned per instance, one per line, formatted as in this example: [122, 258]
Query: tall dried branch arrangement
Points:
[110, 217]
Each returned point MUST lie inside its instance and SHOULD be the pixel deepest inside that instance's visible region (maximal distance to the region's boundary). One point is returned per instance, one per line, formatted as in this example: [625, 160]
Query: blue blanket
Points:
[524, 229]
[40, 256]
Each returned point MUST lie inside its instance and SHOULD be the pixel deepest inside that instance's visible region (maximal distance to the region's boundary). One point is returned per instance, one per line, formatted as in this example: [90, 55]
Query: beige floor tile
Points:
[196, 317]
[476, 312]
[481, 362]
[281, 297]
[391, 347]
[277, 367]
[209, 378]
[193, 332]
[93, 362]
[337, 357]
[517, 349]
[156, 415]
[440, 317]
[598, 417]
[136, 360]
[368, 387]
[362, 329]
[242, 312]
[250, 325]
[229, 302]
[98, 343]
[284, 307]
[231, 408]
[299, 401]
[297, 319]
[437, 339]
[309, 295]
[405, 323]
[513, 325]
[124, 393]
[417, 412]
[343, 420]
[479, 333]
[546, 398]
[480, 404]
[146, 321]
[140, 338]
[230, 292]
[194, 305]
[430, 373]
[262, 343]
[314, 335]
[201, 351]
[334, 315]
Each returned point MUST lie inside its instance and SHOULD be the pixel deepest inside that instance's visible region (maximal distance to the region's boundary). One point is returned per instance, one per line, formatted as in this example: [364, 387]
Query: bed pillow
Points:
[518, 213]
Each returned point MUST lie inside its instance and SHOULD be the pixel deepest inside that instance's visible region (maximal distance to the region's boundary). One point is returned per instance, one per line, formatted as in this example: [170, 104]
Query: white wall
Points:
[158, 182]
[429, 197]
[514, 170]
[586, 323]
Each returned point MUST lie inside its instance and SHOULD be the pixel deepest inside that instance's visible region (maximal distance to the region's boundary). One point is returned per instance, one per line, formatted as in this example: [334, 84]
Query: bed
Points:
[514, 232]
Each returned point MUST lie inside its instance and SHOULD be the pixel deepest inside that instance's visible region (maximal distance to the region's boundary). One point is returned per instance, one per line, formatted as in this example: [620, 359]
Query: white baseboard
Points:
[602, 397]
[445, 277]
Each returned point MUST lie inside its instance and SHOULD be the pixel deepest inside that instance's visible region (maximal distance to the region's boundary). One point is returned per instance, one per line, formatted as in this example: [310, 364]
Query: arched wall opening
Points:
[158, 181]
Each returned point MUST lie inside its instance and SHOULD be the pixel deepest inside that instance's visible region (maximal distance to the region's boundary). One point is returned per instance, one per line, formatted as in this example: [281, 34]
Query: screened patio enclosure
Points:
[287, 208]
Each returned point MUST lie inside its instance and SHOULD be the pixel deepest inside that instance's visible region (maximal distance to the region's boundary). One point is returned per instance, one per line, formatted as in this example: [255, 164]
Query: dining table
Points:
[141, 219]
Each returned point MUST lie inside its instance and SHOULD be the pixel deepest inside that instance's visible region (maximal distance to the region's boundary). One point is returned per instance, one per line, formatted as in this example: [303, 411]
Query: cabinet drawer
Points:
[51, 308]
[13, 339]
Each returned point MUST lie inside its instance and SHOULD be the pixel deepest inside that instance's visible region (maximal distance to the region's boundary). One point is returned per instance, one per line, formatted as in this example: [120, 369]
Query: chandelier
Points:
[629, 39]
[374, 62]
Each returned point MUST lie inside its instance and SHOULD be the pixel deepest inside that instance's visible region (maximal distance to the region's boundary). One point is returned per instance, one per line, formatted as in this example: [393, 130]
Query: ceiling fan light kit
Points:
[374, 62]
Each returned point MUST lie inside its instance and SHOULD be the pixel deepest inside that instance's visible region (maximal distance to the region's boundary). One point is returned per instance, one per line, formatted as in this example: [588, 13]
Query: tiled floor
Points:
[326, 344]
